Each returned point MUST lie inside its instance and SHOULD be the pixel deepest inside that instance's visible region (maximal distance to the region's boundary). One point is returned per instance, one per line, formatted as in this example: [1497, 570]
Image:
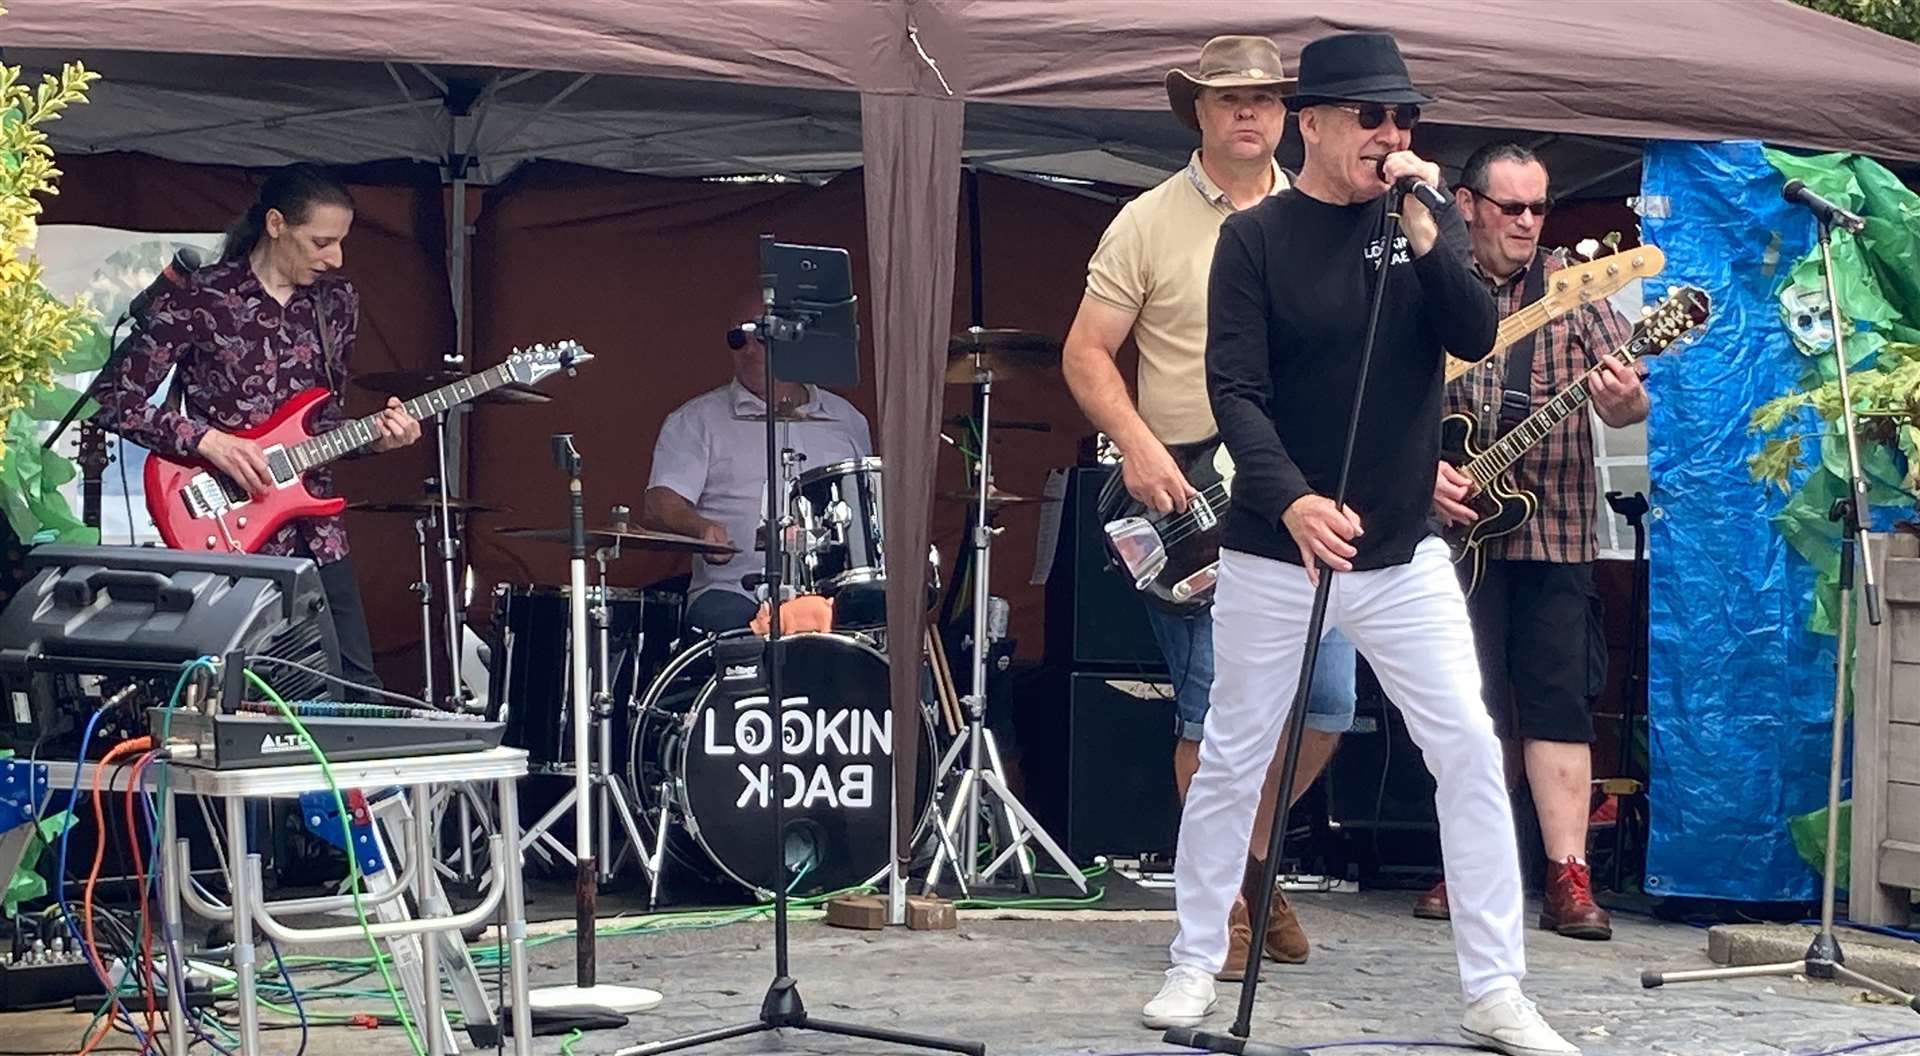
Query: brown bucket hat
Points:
[1227, 62]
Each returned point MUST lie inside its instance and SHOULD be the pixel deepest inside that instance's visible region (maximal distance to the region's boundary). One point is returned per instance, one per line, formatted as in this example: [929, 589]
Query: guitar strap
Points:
[326, 345]
[1516, 388]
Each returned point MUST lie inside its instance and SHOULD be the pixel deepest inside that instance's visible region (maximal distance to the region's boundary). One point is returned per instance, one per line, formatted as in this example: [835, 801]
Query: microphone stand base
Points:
[1209, 1041]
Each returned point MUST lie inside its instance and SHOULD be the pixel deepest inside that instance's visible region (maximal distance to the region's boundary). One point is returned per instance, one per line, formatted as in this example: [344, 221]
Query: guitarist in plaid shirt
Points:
[1540, 650]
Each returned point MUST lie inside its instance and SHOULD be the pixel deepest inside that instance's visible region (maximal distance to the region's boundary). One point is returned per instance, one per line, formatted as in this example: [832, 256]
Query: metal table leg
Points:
[510, 871]
[241, 894]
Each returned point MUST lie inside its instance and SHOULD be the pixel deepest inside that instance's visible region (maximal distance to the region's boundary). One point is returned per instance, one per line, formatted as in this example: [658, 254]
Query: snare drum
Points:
[702, 747]
[529, 686]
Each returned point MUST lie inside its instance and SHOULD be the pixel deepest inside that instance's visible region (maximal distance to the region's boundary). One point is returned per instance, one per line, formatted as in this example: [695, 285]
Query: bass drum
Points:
[702, 746]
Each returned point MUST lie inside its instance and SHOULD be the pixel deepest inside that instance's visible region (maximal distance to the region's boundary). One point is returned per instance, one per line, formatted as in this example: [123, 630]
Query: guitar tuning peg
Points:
[1587, 248]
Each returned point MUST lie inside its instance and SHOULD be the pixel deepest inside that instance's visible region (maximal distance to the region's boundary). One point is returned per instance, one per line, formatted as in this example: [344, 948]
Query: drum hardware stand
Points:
[1824, 958]
[781, 1008]
[587, 991]
[610, 788]
[982, 775]
[423, 589]
[457, 694]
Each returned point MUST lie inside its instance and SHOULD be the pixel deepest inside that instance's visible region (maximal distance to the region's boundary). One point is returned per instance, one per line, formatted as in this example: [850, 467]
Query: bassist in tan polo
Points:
[1148, 280]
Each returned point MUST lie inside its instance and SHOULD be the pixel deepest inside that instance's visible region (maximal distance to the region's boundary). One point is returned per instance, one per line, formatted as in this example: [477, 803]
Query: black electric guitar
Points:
[1503, 506]
[92, 460]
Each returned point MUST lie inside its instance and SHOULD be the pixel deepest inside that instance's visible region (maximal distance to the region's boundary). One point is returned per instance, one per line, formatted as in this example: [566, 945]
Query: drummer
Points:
[709, 474]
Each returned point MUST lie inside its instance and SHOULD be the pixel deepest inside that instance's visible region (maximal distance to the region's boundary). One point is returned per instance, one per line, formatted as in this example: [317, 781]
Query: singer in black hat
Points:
[1287, 315]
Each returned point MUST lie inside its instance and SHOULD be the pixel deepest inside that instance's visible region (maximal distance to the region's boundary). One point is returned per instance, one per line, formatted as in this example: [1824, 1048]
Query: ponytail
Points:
[294, 191]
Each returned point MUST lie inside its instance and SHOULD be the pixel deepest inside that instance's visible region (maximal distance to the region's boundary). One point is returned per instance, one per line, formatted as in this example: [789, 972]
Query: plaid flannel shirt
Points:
[1560, 469]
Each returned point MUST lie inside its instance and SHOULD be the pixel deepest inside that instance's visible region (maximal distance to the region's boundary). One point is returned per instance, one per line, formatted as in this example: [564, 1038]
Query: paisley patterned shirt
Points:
[239, 355]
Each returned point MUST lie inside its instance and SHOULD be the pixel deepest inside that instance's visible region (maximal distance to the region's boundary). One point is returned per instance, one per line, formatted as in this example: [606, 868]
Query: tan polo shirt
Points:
[1153, 261]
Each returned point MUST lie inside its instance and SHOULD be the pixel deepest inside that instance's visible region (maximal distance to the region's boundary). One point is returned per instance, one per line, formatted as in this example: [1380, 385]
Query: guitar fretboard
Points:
[1495, 460]
[361, 432]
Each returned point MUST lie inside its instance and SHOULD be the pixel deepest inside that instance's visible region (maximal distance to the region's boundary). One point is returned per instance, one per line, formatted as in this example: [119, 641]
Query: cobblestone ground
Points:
[1075, 985]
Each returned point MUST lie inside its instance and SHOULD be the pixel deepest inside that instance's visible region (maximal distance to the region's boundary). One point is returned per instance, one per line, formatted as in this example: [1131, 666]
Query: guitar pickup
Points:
[279, 464]
[1204, 519]
[1137, 545]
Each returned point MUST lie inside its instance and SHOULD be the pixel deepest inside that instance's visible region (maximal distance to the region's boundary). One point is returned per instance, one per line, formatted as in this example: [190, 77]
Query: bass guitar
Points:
[1502, 505]
[1173, 559]
[196, 507]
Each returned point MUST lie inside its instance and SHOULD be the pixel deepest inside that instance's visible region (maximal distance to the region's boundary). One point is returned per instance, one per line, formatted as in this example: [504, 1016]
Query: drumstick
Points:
[943, 682]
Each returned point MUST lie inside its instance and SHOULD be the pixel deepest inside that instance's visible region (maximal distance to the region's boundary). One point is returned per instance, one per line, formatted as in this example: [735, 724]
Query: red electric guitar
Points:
[196, 507]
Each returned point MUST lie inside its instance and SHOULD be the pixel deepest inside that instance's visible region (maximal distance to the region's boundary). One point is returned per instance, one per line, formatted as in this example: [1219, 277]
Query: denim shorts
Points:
[1187, 644]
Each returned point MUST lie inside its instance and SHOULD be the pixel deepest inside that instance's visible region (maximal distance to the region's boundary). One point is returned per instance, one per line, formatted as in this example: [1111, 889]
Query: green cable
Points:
[566, 1047]
[353, 863]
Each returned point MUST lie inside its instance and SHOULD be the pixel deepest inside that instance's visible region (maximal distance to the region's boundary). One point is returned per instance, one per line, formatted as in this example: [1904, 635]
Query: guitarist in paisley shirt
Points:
[1538, 644]
[243, 335]
[1148, 279]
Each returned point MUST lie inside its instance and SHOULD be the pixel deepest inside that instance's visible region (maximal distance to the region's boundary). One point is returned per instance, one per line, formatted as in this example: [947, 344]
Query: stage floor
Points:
[1073, 982]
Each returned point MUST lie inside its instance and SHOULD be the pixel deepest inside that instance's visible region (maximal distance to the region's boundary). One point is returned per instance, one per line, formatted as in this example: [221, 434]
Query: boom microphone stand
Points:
[781, 1008]
[1237, 1041]
[587, 991]
[1824, 959]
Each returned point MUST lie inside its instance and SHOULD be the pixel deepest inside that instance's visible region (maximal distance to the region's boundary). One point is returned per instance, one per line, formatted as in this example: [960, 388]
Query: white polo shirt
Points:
[711, 454]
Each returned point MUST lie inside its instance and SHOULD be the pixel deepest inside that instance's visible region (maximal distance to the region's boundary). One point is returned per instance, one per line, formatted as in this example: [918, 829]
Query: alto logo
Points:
[282, 742]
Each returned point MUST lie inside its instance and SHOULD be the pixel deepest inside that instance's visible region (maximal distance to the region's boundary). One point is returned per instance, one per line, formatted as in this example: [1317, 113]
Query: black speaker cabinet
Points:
[1095, 619]
[1099, 763]
[1380, 794]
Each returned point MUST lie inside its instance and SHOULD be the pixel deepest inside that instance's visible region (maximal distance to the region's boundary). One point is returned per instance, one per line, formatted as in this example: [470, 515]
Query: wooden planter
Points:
[1886, 741]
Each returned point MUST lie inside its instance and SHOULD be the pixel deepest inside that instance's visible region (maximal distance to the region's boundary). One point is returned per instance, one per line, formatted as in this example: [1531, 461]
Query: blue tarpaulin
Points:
[1739, 691]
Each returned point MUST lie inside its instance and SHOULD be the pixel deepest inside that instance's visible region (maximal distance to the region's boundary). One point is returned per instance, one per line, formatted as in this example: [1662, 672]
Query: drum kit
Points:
[677, 759]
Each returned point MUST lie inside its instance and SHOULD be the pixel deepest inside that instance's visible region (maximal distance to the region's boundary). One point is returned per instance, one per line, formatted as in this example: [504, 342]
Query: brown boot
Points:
[1285, 941]
[1568, 908]
[1239, 944]
[1433, 904]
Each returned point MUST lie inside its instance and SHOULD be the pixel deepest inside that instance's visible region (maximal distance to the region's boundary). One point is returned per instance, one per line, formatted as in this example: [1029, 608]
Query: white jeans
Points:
[1410, 622]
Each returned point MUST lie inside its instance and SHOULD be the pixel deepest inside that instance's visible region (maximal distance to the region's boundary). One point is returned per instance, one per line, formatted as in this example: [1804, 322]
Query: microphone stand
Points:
[587, 992]
[1238, 1042]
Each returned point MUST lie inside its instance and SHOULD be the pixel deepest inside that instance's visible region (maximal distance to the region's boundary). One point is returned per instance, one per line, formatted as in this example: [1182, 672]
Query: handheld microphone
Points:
[186, 260]
[1429, 195]
[1799, 193]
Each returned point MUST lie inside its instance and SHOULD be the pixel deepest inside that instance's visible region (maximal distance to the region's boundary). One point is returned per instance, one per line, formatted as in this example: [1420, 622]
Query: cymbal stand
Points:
[981, 780]
[423, 589]
[457, 694]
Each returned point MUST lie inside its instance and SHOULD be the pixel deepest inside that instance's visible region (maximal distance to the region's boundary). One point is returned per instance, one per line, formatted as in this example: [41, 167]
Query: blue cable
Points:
[1861, 1046]
[291, 992]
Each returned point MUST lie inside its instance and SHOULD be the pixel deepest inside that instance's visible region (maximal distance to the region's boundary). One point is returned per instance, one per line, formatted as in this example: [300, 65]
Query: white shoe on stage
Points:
[1505, 1021]
[1183, 1001]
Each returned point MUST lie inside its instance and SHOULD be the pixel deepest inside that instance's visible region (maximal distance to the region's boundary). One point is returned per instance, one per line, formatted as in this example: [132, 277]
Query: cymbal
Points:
[995, 498]
[792, 414]
[626, 539]
[407, 384]
[963, 420]
[423, 504]
[1005, 352]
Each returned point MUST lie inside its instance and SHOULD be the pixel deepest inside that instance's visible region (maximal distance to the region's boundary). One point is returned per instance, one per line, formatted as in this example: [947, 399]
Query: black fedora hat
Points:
[1355, 68]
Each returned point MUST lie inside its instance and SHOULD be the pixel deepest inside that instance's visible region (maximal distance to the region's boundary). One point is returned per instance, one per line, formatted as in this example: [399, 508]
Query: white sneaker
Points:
[1505, 1021]
[1183, 1001]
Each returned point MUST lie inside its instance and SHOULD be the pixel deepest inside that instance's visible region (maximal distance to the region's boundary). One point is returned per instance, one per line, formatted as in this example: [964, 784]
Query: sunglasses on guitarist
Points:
[1539, 208]
[1373, 115]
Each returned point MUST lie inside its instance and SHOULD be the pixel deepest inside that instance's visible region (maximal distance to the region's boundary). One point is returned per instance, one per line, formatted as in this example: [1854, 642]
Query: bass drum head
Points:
[711, 746]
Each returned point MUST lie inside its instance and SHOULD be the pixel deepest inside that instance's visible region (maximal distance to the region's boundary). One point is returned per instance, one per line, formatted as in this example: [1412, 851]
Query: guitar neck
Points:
[359, 433]
[1489, 464]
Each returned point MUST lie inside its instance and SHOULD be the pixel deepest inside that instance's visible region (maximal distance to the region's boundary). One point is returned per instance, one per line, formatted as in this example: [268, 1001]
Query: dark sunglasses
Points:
[1539, 208]
[1373, 115]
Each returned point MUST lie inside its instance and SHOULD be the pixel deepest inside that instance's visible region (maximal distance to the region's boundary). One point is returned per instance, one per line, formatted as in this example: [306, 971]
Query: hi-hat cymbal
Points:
[626, 539]
[1005, 352]
[995, 498]
[407, 384]
[425, 504]
[789, 414]
[964, 420]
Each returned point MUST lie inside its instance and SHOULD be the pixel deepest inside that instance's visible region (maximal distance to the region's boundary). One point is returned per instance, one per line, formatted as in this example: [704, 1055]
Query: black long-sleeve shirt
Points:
[1286, 313]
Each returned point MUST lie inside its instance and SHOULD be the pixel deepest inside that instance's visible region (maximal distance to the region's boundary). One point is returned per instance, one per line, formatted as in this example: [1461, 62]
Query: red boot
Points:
[1568, 908]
